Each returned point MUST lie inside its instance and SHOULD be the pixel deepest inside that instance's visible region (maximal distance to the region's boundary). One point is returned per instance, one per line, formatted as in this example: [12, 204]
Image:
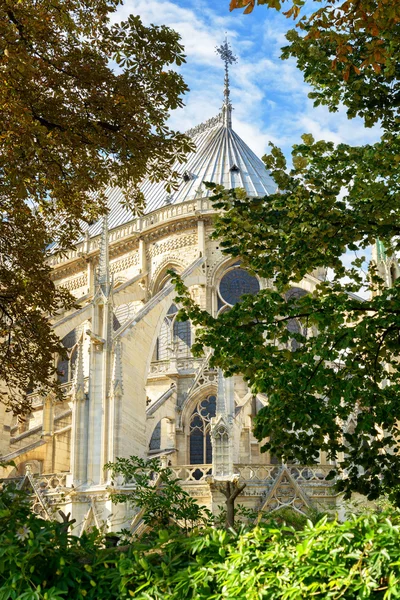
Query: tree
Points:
[231, 490]
[339, 391]
[84, 105]
[161, 501]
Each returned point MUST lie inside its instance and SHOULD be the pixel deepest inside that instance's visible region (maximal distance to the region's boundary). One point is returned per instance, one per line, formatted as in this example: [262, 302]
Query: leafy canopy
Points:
[84, 104]
[339, 391]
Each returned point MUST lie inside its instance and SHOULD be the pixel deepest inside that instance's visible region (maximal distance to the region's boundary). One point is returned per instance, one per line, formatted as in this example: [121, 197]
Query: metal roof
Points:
[221, 157]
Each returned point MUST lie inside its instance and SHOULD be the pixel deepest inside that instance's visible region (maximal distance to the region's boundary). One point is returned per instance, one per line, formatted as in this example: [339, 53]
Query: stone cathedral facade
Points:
[130, 383]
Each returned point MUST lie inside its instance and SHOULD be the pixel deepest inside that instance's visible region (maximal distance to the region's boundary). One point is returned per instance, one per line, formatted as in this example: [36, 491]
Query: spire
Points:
[228, 57]
[103, 272]
[221, 402]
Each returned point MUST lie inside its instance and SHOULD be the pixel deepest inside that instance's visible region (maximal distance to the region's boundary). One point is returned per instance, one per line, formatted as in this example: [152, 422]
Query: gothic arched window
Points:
[175, 336]
[199, 431]
[182, 336]
[293, 326]
[121, 314]
[233, 285]
[65, 365]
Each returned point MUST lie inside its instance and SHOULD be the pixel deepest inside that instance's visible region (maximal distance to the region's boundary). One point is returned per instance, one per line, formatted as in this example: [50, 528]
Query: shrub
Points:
[40, 560]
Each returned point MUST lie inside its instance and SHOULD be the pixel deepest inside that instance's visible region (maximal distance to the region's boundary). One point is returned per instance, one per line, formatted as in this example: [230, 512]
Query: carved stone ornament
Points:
[202, 127]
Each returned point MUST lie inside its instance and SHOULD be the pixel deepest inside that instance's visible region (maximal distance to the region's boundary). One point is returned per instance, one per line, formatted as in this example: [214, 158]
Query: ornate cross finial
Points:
[225, 52]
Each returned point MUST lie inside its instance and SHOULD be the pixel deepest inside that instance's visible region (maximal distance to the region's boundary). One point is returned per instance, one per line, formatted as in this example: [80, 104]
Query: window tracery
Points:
[233, 285]
[121, 314]
[175, 336]
[200, 449]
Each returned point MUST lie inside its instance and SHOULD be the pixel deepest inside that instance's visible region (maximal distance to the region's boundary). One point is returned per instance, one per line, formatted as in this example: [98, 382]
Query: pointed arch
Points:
[200, 447]
[66, 364]
[175, 337]
[207, 388]
[161, 276]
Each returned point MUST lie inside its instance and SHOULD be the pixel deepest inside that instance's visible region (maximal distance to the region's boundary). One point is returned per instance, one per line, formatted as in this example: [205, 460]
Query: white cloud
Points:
[269, 95]
[198, 36]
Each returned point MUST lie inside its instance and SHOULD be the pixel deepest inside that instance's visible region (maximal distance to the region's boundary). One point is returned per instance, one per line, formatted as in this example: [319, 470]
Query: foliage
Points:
[157, 494]
[360, 558]
[40, 560]
[339, 391]
[354, 40]
[84, 104]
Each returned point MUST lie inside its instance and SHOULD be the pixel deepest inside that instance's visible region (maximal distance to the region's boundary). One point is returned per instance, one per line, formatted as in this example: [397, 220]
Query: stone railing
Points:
[187, 365]
[49, 490]
[46, 490]
[53, 483]
[137, 226]
[192, 473]
[161, 366]
[256, 473]
[267, 473]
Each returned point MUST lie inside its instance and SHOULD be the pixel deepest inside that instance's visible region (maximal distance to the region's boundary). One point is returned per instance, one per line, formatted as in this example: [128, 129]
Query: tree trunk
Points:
[230, 512]
[231, 491]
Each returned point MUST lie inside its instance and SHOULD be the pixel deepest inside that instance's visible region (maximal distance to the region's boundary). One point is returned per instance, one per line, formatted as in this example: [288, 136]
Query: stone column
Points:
[100, 367]
[79, 423]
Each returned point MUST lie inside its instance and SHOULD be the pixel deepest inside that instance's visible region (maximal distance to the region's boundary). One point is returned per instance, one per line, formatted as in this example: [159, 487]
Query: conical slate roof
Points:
[221, 156]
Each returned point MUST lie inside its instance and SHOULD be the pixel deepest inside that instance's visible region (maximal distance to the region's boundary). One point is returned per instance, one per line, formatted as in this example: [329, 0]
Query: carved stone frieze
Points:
[132, 260]
[170, 228]
[173, 243]
[197, 491]
[71, 268]
[189, 364]
[75, 283]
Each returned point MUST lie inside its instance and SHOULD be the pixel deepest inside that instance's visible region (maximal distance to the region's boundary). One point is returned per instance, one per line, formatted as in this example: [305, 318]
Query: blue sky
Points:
[269, 95]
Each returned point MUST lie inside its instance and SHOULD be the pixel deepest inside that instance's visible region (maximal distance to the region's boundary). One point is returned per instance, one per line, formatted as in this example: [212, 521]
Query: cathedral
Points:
[130, 383]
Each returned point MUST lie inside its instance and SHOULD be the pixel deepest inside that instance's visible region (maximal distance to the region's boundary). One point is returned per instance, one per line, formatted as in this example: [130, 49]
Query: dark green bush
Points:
[40, 560]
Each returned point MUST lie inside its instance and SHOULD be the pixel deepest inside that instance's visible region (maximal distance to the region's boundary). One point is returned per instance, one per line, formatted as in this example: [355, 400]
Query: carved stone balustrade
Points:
[192, 473]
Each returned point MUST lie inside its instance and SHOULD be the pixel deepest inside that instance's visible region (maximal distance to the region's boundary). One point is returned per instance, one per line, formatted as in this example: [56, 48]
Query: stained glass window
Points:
[200, 439]
[293, 326]
[235, 283]
[295, 292]
[63, 370]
